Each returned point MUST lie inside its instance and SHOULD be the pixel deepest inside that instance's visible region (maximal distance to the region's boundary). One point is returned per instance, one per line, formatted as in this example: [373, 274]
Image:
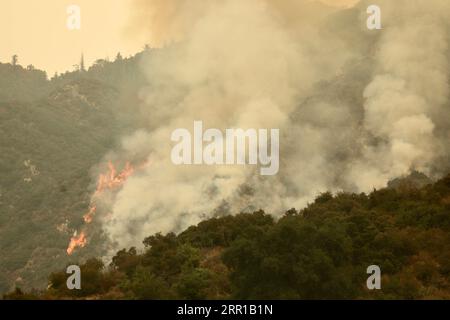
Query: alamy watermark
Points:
[74, 17]
[74, 280]
[374, 280]
[234, 147]
[374, 19]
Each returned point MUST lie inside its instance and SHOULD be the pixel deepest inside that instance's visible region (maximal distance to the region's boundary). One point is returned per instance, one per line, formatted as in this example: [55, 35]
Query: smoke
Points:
[408, 93]
[355, 108]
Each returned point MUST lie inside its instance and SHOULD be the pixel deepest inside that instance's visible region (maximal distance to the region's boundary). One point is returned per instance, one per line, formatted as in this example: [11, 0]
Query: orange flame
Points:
[112, 180]
[76, 241]
[108, 181]
[88, 217]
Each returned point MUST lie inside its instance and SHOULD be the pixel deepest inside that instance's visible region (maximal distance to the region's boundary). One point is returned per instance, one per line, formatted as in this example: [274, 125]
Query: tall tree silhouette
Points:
[82, 69]
[14, 60]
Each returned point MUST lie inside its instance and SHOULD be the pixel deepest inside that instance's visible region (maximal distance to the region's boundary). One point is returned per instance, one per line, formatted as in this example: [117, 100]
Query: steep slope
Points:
[52, 134]
[48, 148]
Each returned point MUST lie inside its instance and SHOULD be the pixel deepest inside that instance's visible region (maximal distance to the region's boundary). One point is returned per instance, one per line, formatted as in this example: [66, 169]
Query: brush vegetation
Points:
[320, 252]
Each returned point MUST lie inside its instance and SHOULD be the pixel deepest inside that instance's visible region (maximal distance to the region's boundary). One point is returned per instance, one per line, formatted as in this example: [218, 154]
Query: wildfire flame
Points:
[76, 241]
[88, 217]
[112, 180]
[107, 181]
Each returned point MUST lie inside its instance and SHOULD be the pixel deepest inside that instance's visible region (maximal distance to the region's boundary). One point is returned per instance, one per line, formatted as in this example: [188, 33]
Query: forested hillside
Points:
[320, 252]
[52, 133]
[259, 149]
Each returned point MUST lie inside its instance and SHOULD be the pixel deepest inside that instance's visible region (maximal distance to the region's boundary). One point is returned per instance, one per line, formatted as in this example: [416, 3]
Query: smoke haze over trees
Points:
[320, 252]
[357, 110]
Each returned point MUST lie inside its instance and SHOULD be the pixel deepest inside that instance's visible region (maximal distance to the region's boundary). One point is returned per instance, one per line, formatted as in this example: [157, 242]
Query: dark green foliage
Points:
[93, 281]
[223, 231]
[320, 252]
[126, 261]
[145, 285]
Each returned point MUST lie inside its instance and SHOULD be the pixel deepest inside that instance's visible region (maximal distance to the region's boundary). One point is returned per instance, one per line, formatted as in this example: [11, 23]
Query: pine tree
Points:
[14, 60]
[82, 69]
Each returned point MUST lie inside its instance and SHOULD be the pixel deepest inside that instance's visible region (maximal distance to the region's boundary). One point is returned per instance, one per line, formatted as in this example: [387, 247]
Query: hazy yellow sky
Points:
[340, 3]
[36, 31]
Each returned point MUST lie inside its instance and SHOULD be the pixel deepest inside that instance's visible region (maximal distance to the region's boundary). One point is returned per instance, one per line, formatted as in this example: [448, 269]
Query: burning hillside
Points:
[111, 181]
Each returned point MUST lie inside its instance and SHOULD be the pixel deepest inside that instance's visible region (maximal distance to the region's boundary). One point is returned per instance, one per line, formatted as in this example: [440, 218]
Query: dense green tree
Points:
[319, 252]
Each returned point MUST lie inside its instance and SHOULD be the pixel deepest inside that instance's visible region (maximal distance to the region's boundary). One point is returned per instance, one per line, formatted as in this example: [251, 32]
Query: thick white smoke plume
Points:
[355, 108]
[408, 93]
